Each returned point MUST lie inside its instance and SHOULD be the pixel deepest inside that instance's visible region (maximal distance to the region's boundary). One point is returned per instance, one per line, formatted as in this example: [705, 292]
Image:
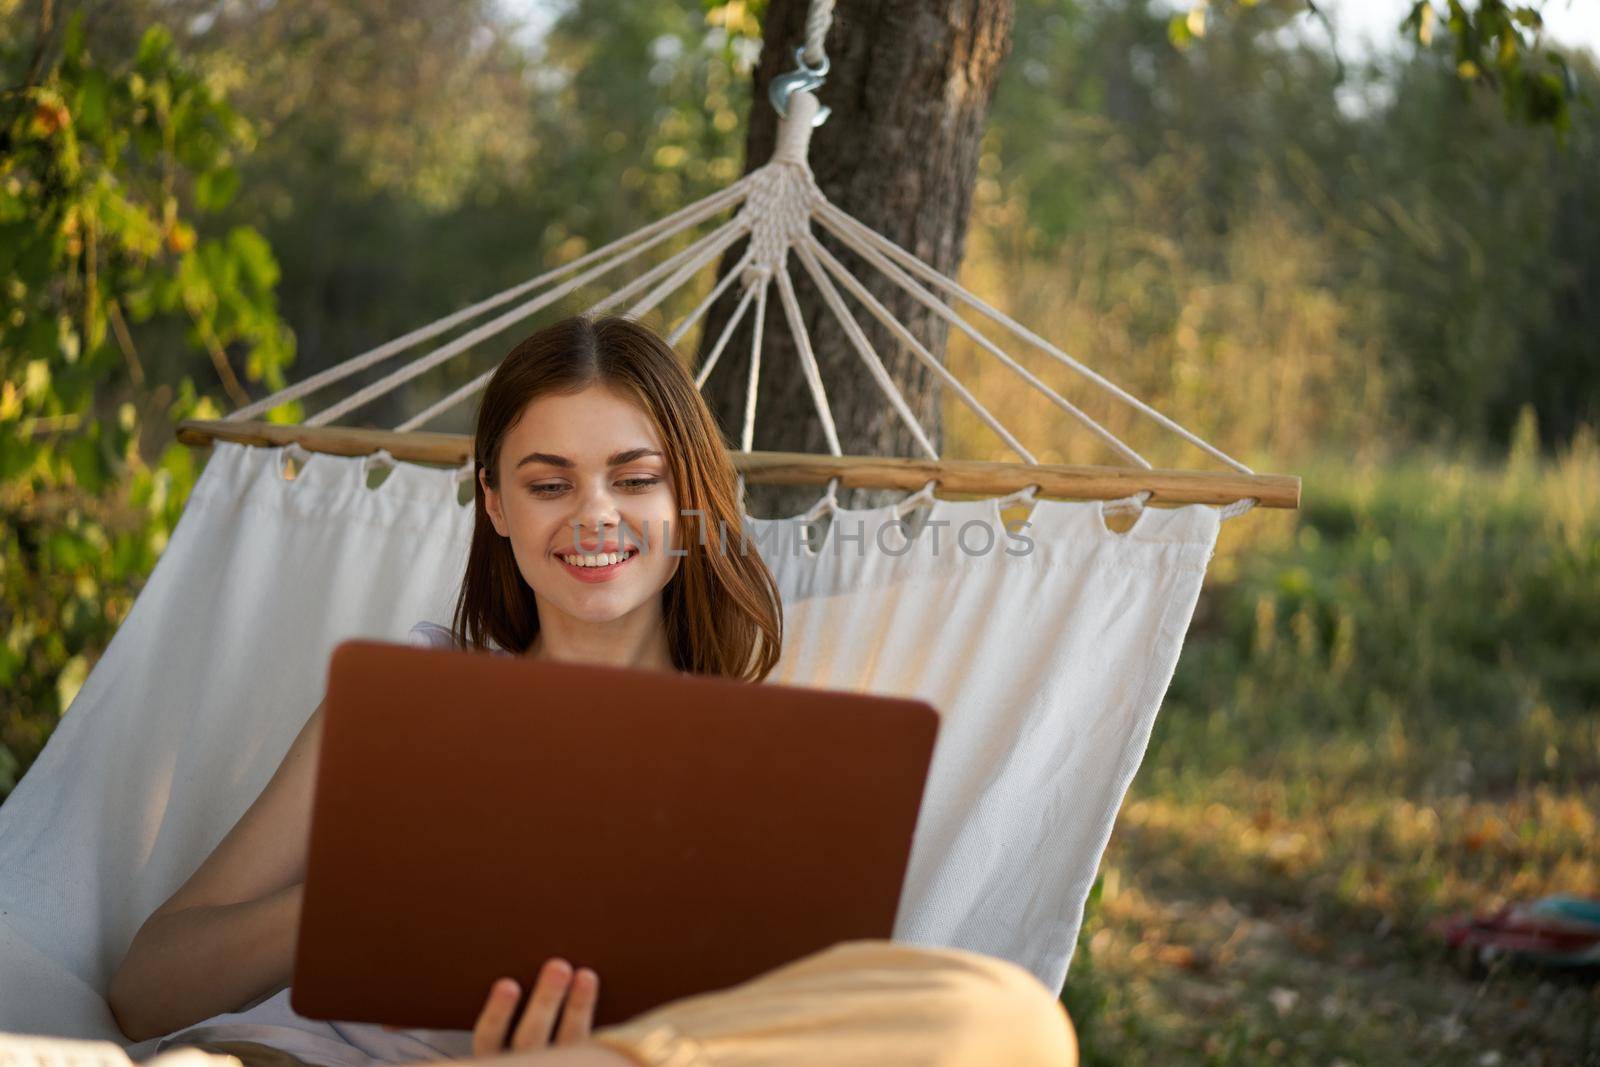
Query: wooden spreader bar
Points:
[953, 476]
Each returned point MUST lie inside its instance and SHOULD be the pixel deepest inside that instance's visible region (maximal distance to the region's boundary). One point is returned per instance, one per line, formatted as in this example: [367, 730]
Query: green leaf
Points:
[36, 381]
[177, 461]
[72, 41]
[18, 457]
[254, 257]
[1178, 31]
[91, 102]
[71, 680]
[290, 414]
[83, 458]
[133, 226]
[215, 188]
[153, 48]
[1528, 17]
[67, 341]
[10, 663]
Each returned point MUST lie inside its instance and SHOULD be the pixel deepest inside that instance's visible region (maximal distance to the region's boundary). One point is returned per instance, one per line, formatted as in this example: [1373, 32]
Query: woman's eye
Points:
[552, 488]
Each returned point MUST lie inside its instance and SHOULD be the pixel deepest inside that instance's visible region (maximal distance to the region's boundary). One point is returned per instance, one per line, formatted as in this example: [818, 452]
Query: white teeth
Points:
[604, 559]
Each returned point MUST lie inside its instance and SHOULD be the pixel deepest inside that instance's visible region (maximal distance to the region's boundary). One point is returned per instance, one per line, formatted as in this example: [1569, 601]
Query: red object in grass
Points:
[1560, 930]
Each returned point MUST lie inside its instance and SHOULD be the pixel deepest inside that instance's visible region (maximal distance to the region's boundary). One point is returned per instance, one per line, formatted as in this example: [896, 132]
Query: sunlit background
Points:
[1355, 267]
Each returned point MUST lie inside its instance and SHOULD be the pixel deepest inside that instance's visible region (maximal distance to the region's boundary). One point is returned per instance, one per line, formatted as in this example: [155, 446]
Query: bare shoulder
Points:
[265, 851]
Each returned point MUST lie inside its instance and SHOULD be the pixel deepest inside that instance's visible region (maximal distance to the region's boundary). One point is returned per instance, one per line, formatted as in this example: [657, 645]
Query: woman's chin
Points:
[596, 604]
[598, 597]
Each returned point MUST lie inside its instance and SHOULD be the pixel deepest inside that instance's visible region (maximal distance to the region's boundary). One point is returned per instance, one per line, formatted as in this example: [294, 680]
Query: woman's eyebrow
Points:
[616, 458]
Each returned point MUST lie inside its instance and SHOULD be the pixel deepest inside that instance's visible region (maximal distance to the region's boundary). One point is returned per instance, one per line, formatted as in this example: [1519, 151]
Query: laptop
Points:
[474, 815]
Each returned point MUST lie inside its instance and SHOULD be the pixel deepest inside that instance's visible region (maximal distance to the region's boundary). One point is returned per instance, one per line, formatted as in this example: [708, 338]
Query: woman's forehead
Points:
[588, 425]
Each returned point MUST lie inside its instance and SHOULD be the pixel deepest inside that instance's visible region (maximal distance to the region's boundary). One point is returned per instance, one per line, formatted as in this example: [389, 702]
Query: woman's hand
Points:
[555, 980]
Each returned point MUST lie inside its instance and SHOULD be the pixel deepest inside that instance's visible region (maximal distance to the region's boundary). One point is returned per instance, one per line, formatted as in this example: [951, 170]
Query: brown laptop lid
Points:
[475, 815]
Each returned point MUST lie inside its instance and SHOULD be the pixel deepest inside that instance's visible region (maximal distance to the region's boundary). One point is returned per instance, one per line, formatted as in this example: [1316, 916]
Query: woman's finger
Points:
[539, 1017]
[489, 1033]
[578, 1015]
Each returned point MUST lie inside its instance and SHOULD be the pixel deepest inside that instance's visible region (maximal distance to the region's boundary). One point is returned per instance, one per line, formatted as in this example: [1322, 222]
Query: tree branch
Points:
[219, 359]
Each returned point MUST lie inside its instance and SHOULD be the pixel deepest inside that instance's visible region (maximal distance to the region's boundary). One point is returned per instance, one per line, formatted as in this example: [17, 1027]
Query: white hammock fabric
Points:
[1047, 667]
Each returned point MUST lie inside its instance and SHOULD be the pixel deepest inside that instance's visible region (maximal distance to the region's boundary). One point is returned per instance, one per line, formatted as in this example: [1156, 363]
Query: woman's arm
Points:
[226, 936]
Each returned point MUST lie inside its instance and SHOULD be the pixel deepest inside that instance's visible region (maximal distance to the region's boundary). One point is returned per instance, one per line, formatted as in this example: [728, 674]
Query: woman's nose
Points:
[595, 517]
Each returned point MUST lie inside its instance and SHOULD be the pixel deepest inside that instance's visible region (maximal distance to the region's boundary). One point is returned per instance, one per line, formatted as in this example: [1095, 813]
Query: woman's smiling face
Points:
[583, 475]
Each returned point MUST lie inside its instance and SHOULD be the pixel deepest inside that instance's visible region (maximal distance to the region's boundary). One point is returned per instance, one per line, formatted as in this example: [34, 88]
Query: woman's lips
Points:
[596, 574]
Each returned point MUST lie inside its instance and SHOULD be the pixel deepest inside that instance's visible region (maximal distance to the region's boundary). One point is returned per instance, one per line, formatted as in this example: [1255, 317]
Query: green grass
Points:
[1387, 709]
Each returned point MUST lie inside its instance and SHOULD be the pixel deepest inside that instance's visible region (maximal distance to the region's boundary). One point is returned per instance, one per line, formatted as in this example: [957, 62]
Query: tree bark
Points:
[909, 86]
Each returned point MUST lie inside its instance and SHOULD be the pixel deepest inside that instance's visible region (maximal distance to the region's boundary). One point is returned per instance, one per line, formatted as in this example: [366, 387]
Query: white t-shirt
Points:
[438, 635]
[336, 1044]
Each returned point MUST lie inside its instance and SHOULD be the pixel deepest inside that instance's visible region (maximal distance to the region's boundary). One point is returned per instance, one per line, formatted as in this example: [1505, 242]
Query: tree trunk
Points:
[909, 88]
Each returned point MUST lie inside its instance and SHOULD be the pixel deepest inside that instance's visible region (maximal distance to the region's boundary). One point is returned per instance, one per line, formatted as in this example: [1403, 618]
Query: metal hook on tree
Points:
[804, 79]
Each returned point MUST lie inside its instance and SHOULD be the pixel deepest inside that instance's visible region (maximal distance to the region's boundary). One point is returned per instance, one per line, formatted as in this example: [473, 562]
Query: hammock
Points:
[1048, 665]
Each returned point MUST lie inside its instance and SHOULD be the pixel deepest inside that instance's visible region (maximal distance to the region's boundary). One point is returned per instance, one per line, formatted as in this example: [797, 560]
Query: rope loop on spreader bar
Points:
[913, 499]
[828, 503]
[1028, 494]
[1238, 507]
[297, 452]
[1134, 502]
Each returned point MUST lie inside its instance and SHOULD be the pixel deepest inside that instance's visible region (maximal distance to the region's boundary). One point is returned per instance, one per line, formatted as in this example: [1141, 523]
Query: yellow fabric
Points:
[861, 1004]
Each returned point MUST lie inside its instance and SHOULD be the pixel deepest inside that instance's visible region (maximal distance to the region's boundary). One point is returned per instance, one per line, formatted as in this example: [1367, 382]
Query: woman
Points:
[604, 497]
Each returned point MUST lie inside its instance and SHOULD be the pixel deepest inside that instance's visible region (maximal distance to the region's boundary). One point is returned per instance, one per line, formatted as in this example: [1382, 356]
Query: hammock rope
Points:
[722, 341]
[827, 212]
[943, 310]
[355, 364]
[808, 360]
[498, 325]
[775, 207]
[701, 308]
[818, 19]
[749, 434]
[863, 347]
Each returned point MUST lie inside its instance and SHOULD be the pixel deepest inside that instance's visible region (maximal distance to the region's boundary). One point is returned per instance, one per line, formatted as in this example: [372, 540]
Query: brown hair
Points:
[722, 609]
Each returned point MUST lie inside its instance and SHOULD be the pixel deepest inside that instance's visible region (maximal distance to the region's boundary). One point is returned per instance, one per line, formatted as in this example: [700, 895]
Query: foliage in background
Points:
[1496, 45]
[403, 190]
[1432, 267]
[1493, 45]
[101, 169]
